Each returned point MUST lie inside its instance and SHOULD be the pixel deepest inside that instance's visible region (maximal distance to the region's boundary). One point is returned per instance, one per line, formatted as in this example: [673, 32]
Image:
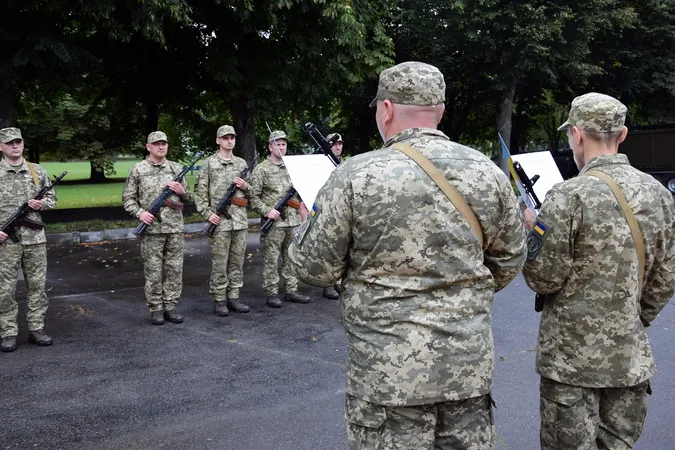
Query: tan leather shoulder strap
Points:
[455, 197]
[33, 173]
[630, 218]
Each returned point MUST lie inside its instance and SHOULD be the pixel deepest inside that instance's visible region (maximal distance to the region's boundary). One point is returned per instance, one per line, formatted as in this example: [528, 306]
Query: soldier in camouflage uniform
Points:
[269, 183]
[417, 286]
[19, 182]
[162, 244]
[228, 243]
[593, 353]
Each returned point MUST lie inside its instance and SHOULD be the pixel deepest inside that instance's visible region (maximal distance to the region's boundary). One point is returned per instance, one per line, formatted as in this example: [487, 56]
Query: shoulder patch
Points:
[306, 225]
[535, 239]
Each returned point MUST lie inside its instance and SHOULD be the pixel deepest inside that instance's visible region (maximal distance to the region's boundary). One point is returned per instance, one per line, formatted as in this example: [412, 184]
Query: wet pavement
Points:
[270, 379]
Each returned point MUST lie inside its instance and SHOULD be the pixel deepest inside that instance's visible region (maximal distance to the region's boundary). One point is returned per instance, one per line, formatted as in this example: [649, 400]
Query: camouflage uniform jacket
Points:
[145, 182]
[417, 286]
[269, 182]
[591, 333]
[16, 188]
[215, 178]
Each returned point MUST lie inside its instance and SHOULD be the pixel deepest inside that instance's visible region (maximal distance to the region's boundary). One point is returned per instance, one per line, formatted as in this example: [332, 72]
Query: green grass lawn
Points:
[73, 192]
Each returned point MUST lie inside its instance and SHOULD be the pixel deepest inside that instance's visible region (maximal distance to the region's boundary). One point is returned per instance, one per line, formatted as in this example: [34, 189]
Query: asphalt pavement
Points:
[272, 379]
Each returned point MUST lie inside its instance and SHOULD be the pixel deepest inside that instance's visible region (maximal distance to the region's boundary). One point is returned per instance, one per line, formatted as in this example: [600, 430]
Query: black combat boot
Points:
[331, 293]
[296, 297]
[39, 337]
[237, 306]
[220, 308]
[8, 344]
[157, 317]
[274, 301]
[172, 316]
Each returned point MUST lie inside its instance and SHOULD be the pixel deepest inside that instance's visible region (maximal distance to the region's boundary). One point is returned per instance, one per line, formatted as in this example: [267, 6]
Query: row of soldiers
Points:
[162, 245]
[422, 233]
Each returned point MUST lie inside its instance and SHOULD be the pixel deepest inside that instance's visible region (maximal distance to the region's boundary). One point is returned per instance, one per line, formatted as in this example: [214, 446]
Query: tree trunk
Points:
[33, 155]
[152, 114]
[8, 12]
[504, 121]
[97, 175]
[244, 126]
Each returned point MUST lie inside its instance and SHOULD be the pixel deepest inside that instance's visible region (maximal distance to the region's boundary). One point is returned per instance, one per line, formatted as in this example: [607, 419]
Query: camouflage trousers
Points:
[33, 260]
[580, 418]
[275, 244]
[459, 425]
[227, 264]
[163, 267]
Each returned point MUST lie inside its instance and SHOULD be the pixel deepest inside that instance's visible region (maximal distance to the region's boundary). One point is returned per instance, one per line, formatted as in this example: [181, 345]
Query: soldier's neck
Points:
[156, 161]
[225, 154]
[14, 161]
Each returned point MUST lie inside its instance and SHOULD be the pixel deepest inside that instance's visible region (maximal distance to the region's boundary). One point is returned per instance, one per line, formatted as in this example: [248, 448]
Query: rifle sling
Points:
[450, 192]
[630, 218]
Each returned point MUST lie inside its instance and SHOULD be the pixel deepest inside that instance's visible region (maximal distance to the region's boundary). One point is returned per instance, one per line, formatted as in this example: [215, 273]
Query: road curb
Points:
[83, 237]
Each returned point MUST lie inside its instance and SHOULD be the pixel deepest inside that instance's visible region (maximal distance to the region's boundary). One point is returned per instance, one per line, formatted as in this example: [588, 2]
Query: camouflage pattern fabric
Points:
[145, 182]
[411, 83]
[461, 425]
[274, 135]
[214, 179]
[227, 263]
[225, 130]
[598, 113]
[10, 134]
[16, 188]
[162, 256]
[574, 417]
[268, 184]
[582, 255]
[33, 261]
[276, 244]
[417, 287]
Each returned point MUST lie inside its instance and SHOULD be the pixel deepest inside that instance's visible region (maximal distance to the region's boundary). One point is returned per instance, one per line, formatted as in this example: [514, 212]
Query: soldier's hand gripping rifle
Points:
[226, 201]
[20, 217]
[157, 204]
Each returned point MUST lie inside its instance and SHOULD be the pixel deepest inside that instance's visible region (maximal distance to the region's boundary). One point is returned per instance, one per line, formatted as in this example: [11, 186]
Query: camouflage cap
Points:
[10, 134]
[225, 130]
[274, 135]
[411, 83]
[331, 136]
[595, 112]
[157, 136]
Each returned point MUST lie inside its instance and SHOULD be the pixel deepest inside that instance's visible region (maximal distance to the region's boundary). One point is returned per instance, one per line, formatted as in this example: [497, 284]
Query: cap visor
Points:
[564, 125]
[373, 103]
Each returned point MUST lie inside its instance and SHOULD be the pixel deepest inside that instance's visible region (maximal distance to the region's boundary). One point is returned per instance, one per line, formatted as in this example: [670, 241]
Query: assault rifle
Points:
[157, 204]
[324, 144]
[20, 217]
[226, 201]
[281, 206]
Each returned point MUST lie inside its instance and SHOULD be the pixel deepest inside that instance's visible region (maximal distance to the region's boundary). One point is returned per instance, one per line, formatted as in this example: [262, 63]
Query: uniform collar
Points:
[605, 160]
[223, 160]
[5, 166]
[411, 133]
[154, 164]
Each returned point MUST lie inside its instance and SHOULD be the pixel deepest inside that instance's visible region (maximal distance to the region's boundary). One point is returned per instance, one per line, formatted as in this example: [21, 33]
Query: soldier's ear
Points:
[624, 132]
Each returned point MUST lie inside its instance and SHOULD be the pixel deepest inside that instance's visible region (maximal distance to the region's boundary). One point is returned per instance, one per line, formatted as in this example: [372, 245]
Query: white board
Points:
[308, 174]
[542, 164]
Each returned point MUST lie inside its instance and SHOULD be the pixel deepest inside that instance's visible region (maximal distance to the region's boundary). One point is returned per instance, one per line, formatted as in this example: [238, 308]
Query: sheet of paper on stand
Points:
[542, 164]
[308, 174]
